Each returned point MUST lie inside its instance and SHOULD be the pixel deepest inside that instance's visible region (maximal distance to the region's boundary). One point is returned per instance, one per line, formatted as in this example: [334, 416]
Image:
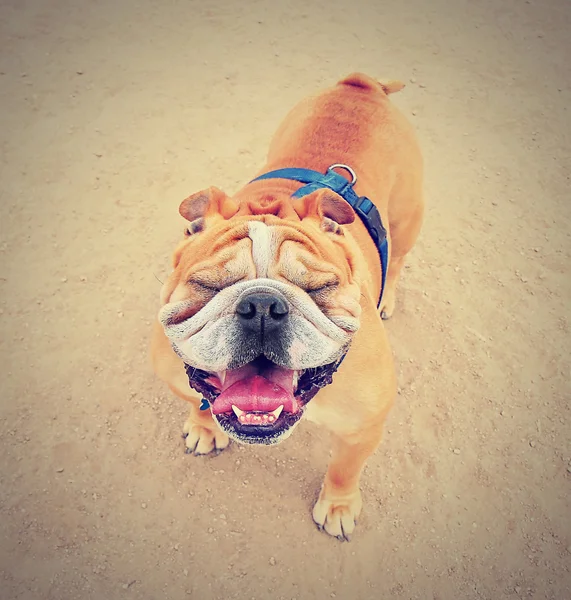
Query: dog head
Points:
[262, 304]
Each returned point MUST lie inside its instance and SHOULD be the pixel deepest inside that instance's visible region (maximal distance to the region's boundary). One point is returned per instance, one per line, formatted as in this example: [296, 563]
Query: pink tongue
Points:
[255, 393]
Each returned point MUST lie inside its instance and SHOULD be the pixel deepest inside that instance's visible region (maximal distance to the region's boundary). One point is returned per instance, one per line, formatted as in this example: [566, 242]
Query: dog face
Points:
[261, 306]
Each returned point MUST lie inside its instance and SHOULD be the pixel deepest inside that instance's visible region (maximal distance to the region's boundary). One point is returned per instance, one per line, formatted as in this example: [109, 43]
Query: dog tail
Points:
[360, 80]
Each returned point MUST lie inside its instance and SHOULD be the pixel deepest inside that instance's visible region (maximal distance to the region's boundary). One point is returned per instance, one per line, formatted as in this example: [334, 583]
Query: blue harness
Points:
[366, 210]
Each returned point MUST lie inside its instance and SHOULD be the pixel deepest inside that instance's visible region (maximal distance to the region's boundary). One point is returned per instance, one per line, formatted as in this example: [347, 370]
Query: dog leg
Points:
[404, 230]
[201, 434]
[389, 294]
[339, 503]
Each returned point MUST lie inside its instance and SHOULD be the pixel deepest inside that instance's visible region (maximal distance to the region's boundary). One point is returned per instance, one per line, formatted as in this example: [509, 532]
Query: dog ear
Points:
[206, 203]
[326, 206]
[330, 205]
[360, 80]
[392, 86]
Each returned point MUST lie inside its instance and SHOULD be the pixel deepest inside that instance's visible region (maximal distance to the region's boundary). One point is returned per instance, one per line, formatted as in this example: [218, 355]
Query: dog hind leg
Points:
[404, 233]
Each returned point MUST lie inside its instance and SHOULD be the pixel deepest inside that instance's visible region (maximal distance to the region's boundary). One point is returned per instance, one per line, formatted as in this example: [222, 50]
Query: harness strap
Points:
[364, 208]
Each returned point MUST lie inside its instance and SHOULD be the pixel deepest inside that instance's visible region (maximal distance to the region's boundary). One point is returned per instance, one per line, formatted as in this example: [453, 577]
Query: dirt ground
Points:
[111, 113]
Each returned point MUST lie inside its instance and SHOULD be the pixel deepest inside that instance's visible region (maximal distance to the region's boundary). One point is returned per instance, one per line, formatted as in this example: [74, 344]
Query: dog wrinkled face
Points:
[259, 307]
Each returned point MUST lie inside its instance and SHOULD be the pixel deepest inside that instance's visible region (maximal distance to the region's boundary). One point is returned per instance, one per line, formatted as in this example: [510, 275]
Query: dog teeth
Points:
[222, 376]
[239, 413]
[251, 418]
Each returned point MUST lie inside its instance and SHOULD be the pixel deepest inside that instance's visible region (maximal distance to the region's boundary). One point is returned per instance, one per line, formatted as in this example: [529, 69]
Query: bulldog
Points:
[271, 313]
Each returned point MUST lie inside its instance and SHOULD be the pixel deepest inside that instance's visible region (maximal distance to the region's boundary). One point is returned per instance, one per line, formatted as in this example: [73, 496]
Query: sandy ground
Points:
[113, 112]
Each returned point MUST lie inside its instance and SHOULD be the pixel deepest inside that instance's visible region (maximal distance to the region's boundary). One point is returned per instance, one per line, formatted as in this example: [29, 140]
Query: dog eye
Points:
[328, 287]
[205, 286]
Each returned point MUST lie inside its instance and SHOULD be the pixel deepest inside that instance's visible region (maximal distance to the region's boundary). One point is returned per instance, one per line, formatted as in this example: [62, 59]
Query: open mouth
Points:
[260, 402]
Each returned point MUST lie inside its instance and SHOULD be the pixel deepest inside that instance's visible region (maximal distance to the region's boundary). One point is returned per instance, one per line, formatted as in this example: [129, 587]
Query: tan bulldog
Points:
[270, 294]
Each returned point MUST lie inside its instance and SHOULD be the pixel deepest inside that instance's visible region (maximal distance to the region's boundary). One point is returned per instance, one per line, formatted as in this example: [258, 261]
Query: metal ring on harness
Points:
[347, 168]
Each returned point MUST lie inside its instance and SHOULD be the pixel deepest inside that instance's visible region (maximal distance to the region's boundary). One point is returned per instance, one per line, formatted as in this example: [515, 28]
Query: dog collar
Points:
[365, 209]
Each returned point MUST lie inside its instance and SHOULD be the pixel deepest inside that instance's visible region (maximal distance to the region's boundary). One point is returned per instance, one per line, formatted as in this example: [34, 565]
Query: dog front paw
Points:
[199, 440]
[337, 515]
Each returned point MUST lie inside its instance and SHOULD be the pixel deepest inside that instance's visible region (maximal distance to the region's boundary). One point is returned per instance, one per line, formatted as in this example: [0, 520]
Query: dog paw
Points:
[388, 306]
[338, 515]
[200, 440]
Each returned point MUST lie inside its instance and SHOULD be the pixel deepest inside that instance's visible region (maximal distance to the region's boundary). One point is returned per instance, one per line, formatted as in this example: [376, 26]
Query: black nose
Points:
[262, 313]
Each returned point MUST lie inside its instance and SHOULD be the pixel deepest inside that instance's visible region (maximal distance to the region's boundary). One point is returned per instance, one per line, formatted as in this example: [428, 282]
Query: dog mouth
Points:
[260, 402]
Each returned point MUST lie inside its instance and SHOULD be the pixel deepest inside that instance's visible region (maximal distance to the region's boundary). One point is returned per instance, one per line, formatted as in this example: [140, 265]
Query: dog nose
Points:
[262, 312]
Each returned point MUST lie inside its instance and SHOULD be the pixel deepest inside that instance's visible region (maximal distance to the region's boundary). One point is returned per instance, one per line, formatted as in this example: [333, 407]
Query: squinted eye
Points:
[212, 289]
[328, 287]
[211, 285]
